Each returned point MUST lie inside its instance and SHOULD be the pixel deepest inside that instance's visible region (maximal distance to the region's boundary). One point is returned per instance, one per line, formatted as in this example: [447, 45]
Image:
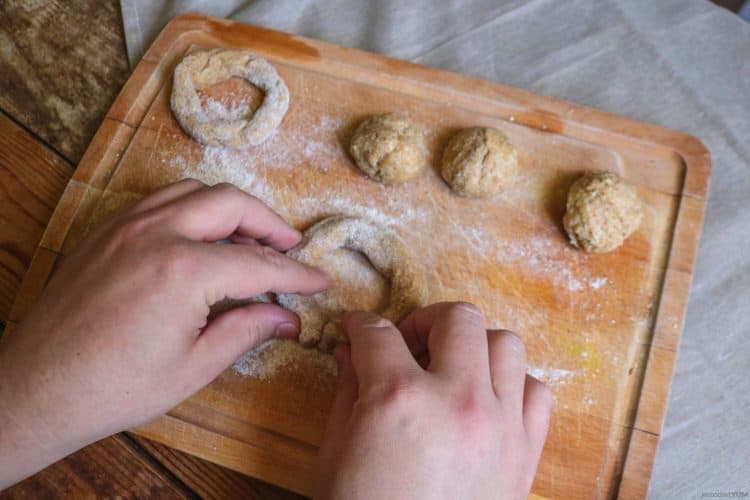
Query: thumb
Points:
[235, 332]
[341, 410]
[346, 390]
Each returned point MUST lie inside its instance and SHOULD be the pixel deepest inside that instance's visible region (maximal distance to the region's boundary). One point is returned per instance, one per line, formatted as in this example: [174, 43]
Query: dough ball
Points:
[602, 211]
[389, 148]
[479, 162]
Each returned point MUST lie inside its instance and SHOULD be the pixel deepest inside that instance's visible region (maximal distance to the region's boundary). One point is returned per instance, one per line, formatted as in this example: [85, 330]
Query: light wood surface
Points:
[602, 329]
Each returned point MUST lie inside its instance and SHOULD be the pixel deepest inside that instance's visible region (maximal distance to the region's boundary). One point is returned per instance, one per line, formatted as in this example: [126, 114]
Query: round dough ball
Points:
[389, 148]
[479, 162]
[602, 211]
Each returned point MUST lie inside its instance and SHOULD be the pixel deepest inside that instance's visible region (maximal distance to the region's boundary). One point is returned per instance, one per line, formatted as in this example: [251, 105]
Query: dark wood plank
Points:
[61, 65]
[111, 468]
[32, 179]
[210, 480]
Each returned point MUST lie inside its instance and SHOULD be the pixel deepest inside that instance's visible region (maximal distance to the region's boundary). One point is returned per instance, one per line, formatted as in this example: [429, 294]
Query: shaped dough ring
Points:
[387, 254]
[222, 127]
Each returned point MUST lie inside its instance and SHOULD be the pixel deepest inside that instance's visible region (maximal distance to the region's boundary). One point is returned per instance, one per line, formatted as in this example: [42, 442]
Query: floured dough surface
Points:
[479, 162]
[216, 125]
[379, 248]
[602, 211]
[389, 148]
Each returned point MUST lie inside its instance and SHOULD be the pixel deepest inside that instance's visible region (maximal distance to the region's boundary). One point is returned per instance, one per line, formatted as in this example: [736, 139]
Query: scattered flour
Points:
[597, 283]
[318, 147]
[269, 358]
[551, 376]
[218, 109]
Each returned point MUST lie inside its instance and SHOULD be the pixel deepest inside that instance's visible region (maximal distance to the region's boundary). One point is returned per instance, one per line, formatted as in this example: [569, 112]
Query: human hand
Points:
[442, 408]
[119, 336]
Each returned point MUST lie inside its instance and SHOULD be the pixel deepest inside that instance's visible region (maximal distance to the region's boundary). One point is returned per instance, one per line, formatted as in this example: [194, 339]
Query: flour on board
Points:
[318, 147]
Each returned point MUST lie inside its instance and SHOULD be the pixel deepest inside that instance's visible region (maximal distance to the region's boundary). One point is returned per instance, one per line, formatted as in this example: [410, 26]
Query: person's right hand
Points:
[465, 421]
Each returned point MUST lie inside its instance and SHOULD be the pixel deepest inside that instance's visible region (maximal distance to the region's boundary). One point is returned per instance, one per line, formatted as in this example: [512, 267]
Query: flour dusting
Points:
[551, 376]
[272, 356]
[268, 171]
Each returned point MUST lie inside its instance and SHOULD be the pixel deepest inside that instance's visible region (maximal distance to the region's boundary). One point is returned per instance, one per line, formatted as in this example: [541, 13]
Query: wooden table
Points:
[52, 100]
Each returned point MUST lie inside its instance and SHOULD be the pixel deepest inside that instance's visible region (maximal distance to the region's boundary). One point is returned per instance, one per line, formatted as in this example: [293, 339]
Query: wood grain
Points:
[61, 65]
[32, 179]
[209, 480]
[602, 338]
[111, 468]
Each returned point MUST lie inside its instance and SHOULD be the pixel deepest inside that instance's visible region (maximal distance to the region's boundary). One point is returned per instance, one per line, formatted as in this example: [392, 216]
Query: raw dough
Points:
[479, 162]
[602, 211]
[216, 125]
[389, 148]
[386, 253]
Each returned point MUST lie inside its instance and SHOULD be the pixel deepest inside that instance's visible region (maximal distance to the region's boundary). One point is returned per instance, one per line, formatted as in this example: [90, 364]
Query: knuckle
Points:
[132, 228]
[465, 312]
[471, 413]
[270, 256]
[398, 392]
[226, 189]
[191, 181]
[174, 260]
[374, 322]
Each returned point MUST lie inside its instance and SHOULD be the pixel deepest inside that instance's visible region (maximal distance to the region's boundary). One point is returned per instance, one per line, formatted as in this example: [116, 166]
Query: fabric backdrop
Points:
[684, 64]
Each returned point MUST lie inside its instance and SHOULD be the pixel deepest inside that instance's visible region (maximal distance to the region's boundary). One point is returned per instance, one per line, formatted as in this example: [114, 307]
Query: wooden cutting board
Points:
[602, 330]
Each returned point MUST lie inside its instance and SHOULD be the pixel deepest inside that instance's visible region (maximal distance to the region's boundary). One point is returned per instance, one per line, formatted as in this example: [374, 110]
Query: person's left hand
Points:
[119, 336]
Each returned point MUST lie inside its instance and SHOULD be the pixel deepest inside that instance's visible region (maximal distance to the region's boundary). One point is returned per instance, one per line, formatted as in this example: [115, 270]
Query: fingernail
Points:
[287, 330]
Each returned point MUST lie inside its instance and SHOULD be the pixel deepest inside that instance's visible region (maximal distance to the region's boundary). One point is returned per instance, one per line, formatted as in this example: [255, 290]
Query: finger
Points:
[166, 195]
[537, 407]
[454, 334]
[158, 198]
[243, 240]
[218, 212]
[378, 350]
[235, 332]
[337, 425]
[346, 391]
[507, 368]
[240, 271]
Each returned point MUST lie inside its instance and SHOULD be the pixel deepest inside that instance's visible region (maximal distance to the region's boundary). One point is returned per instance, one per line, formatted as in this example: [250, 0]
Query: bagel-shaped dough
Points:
[387, 254]
[215, 126]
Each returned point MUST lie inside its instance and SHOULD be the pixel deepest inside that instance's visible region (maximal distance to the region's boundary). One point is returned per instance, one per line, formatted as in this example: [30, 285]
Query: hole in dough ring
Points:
[386, 252]
[221, 127]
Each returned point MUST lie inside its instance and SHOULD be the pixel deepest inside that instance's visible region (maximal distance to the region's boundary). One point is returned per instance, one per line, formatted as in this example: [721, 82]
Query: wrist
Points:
[33, 428]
